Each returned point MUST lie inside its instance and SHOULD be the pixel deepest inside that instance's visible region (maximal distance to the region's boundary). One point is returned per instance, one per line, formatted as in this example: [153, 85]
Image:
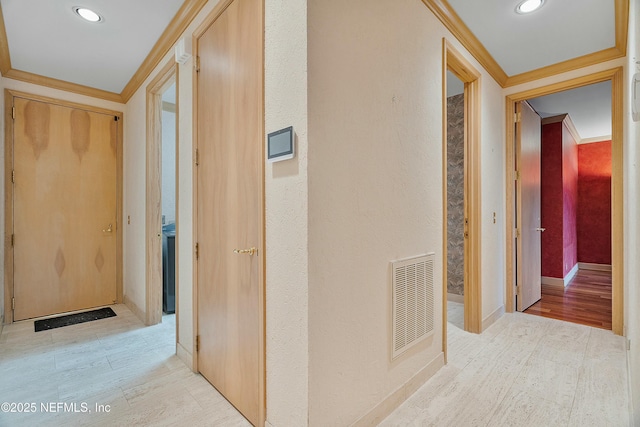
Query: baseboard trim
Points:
[553, 281]
[491, 319]
[397, 398]
[564, 282]
[455, 298]
[570, 275]
[134, 309]
[184, 355]
[594, 267]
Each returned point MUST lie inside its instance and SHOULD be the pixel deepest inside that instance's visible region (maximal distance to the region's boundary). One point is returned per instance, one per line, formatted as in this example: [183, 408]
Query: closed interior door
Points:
[230, 209]
[529, 243]
[64, 208]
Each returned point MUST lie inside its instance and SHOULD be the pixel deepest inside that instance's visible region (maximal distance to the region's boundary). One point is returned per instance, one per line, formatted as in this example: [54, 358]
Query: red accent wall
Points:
[558, 200]
[551, 206]
[594, 203]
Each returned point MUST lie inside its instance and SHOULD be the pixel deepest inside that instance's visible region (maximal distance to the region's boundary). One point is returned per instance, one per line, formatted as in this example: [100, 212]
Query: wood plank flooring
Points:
[525, 371]
[587, 300]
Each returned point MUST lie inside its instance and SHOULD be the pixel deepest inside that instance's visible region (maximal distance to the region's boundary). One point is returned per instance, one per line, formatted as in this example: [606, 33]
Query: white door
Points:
[528, 195]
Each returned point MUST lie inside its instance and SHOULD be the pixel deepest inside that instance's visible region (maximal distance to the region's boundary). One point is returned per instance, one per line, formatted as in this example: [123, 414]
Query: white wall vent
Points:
[412, 290]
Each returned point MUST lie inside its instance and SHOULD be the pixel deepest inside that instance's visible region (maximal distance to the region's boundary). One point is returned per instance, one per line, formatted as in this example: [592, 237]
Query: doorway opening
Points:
[575, 208]
[161, 198]
[466, 281]
[570, 263]
[455, 183]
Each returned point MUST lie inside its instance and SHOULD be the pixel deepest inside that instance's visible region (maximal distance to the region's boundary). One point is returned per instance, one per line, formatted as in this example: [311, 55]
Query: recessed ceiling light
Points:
[87, 14]
[528, 6]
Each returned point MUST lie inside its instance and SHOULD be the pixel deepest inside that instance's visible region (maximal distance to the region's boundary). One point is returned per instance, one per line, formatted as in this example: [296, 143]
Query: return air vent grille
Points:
[412, 289]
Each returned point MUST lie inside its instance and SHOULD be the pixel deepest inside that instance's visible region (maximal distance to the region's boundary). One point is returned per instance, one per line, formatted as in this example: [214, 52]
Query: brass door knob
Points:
[250, 251]
[108, 230]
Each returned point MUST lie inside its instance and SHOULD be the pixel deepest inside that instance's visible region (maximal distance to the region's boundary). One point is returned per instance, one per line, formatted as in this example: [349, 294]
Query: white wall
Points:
[632, 216]
[493, 199]
[169, 166]
[287, 279]
[375, 193]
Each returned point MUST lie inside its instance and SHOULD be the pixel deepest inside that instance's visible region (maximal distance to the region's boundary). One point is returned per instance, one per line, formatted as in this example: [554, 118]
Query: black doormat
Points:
[72, 319]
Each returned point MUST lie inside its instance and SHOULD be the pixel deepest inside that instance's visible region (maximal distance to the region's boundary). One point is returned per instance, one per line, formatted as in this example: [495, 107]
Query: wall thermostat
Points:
[280, 145]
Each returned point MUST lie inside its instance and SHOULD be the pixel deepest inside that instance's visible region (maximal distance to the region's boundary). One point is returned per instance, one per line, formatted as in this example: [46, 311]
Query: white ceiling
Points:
[45, 37]
[589, 108]
[560, 30]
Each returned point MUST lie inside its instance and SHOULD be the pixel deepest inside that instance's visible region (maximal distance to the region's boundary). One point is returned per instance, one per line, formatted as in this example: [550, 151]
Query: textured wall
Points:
[558, 197]
[169, 166]
[594, 203]
[287, 249]
[375, 192]
[455, 194]
[551, 206]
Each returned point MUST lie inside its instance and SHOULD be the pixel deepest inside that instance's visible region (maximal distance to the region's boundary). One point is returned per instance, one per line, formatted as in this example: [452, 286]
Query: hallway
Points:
[525, 371]
[129, 369]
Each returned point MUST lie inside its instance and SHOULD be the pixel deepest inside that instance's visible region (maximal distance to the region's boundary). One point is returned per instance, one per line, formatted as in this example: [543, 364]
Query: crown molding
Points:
[169, 37]
[445, 13]
[63, 85]
[565, 66]
[440, 8]
[176, 27]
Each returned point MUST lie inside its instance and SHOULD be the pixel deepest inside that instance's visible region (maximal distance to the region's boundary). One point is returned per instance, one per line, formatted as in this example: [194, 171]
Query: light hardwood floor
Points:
[523, 371]
[117, 362]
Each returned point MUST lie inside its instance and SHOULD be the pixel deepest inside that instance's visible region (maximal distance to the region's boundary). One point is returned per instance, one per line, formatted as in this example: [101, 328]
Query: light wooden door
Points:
[529, 242]
[230, 210]
[64, 209]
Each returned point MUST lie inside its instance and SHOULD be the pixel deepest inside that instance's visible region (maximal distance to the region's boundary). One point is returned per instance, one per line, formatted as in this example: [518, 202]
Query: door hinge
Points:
[116, 118]
[13, 175]
[517, 117]
[197, 343]
[197, 157]
[13, 303]
[13, 239]
[13, 113]
[517, 233]
[197, 251]
[197, 64]
[517, 175]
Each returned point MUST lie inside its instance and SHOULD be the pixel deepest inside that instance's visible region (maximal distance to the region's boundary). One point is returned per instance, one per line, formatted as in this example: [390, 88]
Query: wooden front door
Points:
[230, 207]
[529, 242]
[64, 208]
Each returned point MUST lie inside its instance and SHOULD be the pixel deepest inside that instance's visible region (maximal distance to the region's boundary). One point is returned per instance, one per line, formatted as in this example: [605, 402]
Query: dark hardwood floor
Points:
[587, 300]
